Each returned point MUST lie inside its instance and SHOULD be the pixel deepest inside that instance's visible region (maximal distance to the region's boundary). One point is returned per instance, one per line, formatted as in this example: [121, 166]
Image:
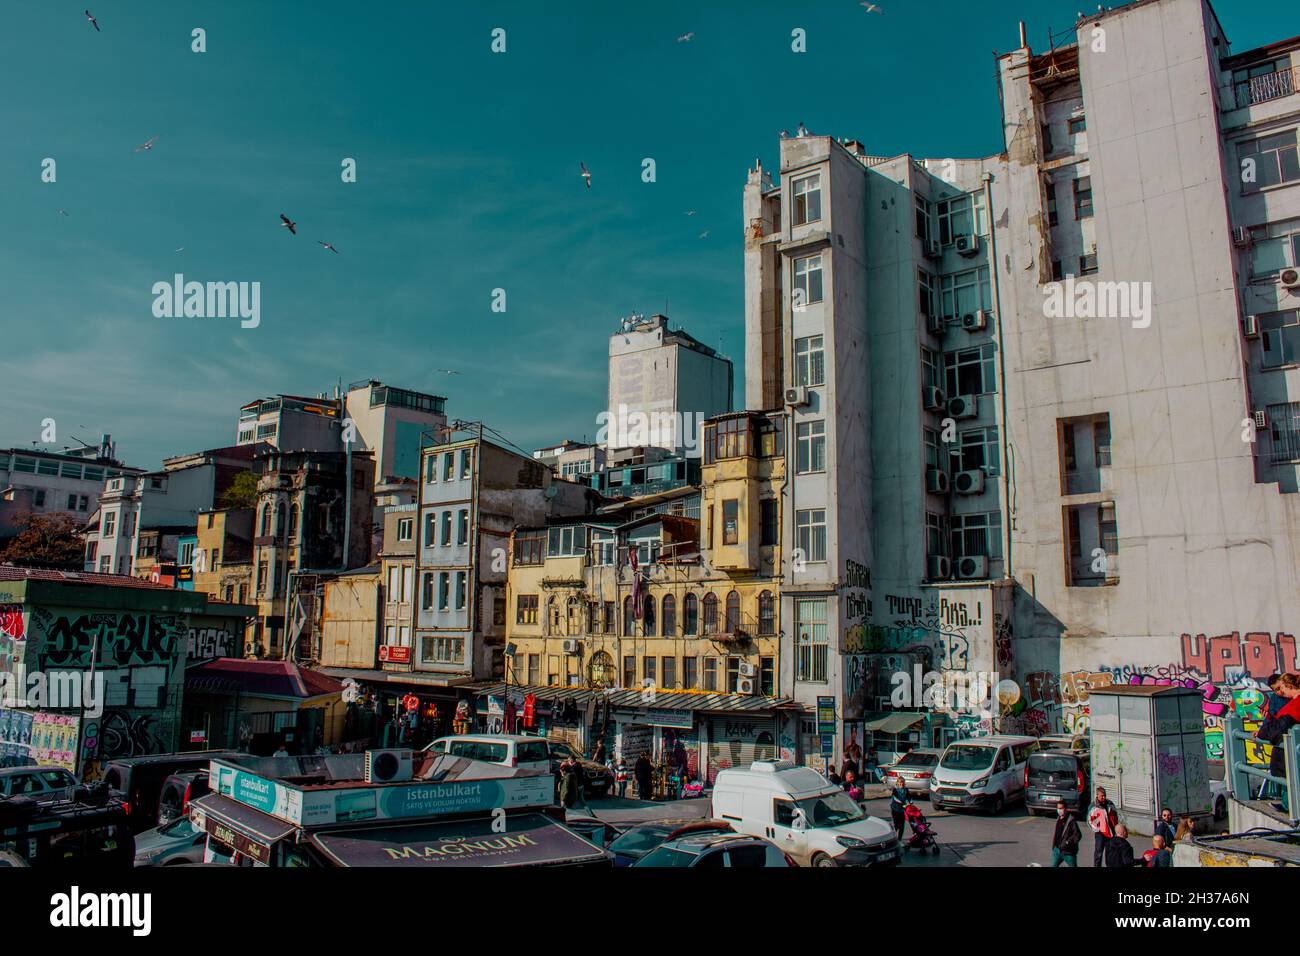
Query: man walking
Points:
[1102, 817]
[1119, 852]
[643, 771]
[1065, 841]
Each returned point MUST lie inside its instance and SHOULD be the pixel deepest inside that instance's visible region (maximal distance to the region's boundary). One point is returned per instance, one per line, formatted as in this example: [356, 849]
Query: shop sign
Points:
[681, 719]
[254, 851]
[394, 654]
[825, 715]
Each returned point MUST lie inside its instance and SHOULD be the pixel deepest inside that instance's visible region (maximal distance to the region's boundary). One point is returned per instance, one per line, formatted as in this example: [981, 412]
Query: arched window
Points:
[553, 615]
[266, 520]
[601, 672]
[766, 613]
[733, 613]
[648, 616]
[280, 525]
[293, 521]
[691, 615]
[573, 616]
[710, 614]
[629, 622]
[668, 612]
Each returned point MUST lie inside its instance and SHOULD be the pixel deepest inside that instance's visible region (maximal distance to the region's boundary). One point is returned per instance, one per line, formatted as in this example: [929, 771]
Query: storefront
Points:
[740, 739]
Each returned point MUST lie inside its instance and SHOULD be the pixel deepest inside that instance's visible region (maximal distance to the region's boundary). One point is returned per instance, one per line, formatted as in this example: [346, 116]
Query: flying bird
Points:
[93, 22]
[585, 174]
[63, 212]
[146, 145]
[288, 224]
[869, 7]
[704, 234]
[690, 212]
[328, 246]
[447, 371]
[686, 37]
[179, 249]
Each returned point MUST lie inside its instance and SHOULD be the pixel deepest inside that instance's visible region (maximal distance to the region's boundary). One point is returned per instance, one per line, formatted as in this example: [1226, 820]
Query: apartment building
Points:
[33, 481]
[225, 539]
[681, 644]
[397, 572]
[574, 460]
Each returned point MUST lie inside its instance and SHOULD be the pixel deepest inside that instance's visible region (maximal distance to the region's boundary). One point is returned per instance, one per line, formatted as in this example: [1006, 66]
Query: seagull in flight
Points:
[704, 234]
[690, 212]
[288, 224]
[585, 174]
[63, 212]
[179, 249]
[93, 22]
[686, 37]
[327, 246]
[146, 145]
[869, 7]
[447, 371]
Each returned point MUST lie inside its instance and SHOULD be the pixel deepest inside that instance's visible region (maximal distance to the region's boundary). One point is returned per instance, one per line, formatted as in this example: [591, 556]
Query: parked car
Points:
[645, 837]
[177, 792]
[813, 821]
[1055, 775]
[914, 768]
[139, 780]
[597, 781]
[42, 784]
[600, 832]
[983, 772]
[717, 851]
[509, 750]
[170, 844]
[1074, 742]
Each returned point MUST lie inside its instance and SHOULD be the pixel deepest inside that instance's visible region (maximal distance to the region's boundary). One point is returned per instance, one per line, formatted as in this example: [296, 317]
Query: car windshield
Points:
[968, 758]
[666, 856]
[639, 840]
[830, 810]
[180, 827]
[1050, 764]
[914, 759]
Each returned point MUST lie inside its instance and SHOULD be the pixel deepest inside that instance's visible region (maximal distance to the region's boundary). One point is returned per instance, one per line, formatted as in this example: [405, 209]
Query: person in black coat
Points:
[1065, 839]
[1164, 827]
[643, 772]
[1119, 852]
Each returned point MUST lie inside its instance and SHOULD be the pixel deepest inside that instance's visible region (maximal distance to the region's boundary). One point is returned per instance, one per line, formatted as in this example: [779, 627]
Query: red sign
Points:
[411, 703]
[394, 654]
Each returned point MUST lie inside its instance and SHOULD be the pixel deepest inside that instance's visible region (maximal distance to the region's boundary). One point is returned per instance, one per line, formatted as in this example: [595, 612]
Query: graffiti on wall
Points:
[13, 637]
[207, 643]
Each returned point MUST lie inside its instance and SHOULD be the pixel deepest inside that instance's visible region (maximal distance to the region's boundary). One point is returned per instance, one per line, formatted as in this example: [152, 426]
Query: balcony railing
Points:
[1268, 86]
[1240, 771]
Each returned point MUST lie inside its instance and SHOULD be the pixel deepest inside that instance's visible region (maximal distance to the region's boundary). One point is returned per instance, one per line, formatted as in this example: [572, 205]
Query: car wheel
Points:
[998, 803]
[821, 859]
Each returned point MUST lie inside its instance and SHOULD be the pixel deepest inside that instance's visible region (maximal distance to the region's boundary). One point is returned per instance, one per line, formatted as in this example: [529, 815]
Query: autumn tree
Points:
[46, 541]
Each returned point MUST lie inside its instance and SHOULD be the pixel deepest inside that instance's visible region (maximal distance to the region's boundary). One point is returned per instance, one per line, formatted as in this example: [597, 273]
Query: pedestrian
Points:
[899, 798]
[621, 775]
[570, 781]
[1164, 826]
[835, 779]
[1159, 854]
[849, 766]
[1102, 817]
[1119, 852]
[852, 787]
[871, 765]
[644, 773]
[1065, 839]
[281, 752]
[599, 755]
[1274, 729]
[1185, 829]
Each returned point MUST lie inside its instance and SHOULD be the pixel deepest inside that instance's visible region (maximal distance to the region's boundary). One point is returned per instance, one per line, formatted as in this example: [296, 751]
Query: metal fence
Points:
[1249, 781]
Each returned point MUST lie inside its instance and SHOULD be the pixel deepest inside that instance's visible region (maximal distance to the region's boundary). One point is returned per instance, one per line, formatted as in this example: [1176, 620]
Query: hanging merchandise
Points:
[530, 710]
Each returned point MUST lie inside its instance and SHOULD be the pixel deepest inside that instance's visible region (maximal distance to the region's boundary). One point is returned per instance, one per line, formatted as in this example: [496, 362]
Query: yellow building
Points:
[662, 629]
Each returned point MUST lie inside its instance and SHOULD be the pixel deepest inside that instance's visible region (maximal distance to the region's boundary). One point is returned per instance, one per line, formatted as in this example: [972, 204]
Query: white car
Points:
[983, 772]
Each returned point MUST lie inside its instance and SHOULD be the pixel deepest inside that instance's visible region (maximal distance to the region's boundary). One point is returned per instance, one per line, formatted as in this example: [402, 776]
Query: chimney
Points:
[1024, 40]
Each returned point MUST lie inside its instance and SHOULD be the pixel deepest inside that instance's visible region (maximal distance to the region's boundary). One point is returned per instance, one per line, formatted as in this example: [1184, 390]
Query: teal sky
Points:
[467, 180]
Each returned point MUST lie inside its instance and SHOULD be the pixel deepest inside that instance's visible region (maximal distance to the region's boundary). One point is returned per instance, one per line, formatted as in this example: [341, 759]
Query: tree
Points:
[46, 541]
[242, 492]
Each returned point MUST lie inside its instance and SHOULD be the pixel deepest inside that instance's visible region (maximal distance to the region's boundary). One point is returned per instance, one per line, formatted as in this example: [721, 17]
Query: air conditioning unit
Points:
[745, 685]
[746, 669]
[963, 406]
[1250, 326]
[930, 248]
[389, 766]
[1240, 236]
[934, 324]
[1261, 420]
[798, 395]
[932, 398]
[1290, 278]
[936, 481]
[968, 482]
[976, 566]
[976, 321]
[938, 568]
[572, 647]
[967, 245]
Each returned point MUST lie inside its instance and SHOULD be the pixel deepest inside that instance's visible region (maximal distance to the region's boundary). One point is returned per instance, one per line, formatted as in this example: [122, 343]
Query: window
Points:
[38, 498]
[976, 535]
[566, 542]
[466, 467]
[1092, 544]
[281, 524]
[710, 613]
[462, 527]
[1274, 247]
[690, 615]
[430, 523]
[1078, 124]
[648, 676]
[767, 676]
[732, 623]
[690, 673]
[106, 564]
[461, 590]
[976, 448]
[733, 675]
[811, 647]
[969, 371]
[766, 614]
[809, 361]
[961, 216]
[807, 281]
[1048, 146]
[807, 199]
[442, 650]
[72, 503]
[965, 292]
[668, 611]
[1088, 264]
[110, 521]
[607, 617]
[405, 528]
[810, 447]
[728, 438]
[767, 522]
[1280, 333]
[629, 671]
[927, 293]
[1269, 161]
[648, 622]
[430, 468]
[92, 550]
[929, 368]
[448, 466]
[810, 533]
[529, 547]
[1082, 197]
[216, 559]
[1284, 429]
[1261, 82]
[444, 591]
[711, 673]
[1058, 272]
[261, 577]
[922, 206]
[445, 537]
[426, 592]
[629, 619]
[82, 503]
[730, 522]
[1052, 218]
[668, 666]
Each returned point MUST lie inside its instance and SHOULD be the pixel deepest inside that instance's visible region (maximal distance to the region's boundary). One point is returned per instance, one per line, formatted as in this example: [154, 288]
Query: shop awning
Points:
[893, 723]
[249, 831]
[528, 840]
[414, 678]
[634, 698]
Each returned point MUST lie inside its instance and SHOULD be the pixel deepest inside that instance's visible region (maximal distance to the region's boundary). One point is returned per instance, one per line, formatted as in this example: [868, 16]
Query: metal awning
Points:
[634, 698]
[249, 831]
[528, 840]
[893, 723]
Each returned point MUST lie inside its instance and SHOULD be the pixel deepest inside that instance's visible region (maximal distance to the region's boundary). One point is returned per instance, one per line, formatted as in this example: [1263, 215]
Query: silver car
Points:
[170, 844]
[42, 784]
[914, 768]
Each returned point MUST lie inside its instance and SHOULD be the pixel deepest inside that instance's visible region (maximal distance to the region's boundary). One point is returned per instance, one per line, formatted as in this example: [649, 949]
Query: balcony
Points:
[1261, 89]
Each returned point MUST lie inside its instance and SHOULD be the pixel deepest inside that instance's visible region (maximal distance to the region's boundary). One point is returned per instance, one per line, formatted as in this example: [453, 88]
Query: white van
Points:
[985, 772]
[509, 750]
[813, 821]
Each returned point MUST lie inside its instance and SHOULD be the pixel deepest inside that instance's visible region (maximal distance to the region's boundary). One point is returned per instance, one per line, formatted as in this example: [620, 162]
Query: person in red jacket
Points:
[1274, 729]
[1102, 818]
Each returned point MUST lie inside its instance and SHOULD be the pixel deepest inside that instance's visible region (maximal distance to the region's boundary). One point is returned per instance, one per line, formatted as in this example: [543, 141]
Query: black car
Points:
[1054, 775]
[597, 781]
[139, 781]
[177, 792]
[641, 839]
[717, 850]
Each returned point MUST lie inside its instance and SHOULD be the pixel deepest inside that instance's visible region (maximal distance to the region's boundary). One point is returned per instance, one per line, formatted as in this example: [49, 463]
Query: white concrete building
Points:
[39, 482]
